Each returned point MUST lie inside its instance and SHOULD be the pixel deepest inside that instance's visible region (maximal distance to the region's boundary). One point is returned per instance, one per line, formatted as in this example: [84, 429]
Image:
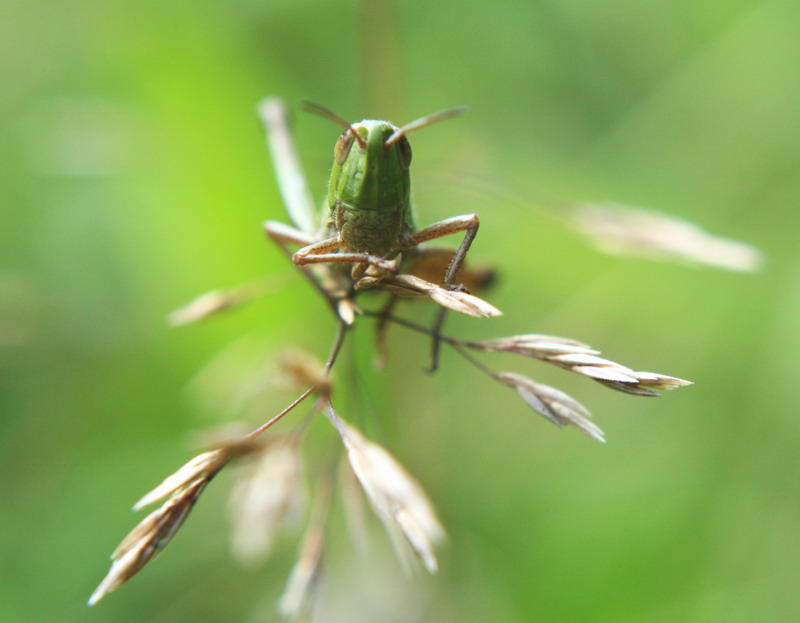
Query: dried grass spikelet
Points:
[156, 530]
[621, 229]
[331, 285]
[147, 539]
[202, 467]
[582, 359]
[617, 376]
[536, 345]
[305, 577]
[346, 309]
[217, 301]
[461, 302]
[303, 587]
[354, 506]
[558, 407]
[300, 369]
[268, 493]
[204, 306]
[396, 497]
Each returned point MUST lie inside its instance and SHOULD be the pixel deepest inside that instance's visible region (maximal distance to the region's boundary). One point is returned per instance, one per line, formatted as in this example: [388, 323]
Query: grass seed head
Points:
[397, 498]
[201, 468]
[269, 492]
[148, 538]
[617, 376]
[202, 307]
[306, 576]
[621, 229]
[536, 346]
[301, 369]
[461, 302]
[558, 407]
[582, 359]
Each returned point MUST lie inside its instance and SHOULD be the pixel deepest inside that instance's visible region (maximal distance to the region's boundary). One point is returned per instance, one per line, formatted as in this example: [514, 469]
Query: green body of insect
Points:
[368, 221]
[369, 189]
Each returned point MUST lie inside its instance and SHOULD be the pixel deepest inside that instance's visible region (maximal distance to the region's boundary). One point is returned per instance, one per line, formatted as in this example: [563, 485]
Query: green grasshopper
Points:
[367, 219]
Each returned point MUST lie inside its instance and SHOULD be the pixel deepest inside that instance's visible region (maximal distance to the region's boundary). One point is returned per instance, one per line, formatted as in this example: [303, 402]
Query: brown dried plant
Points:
[270, 491]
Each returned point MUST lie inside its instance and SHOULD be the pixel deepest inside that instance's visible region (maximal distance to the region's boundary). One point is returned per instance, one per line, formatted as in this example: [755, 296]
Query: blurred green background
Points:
[134, 177]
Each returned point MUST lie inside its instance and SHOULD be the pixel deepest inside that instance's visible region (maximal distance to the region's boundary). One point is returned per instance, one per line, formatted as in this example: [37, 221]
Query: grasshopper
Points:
[367, 221]
[367, 225]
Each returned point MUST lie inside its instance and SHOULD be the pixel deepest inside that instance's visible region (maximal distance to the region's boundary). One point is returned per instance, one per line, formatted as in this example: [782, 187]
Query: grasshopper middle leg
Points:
[320, 253]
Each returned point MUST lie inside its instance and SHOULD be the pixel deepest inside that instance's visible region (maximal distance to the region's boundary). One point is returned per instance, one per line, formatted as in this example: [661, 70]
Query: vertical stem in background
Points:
[380, 72]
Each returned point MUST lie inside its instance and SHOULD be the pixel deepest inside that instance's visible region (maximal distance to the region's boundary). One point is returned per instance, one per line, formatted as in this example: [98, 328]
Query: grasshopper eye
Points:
[343, 146]
[404, 152]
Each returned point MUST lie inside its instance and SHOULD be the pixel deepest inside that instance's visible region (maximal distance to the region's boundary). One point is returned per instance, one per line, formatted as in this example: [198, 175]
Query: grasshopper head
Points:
[378, 137]
[373, 138]
[371, 161]
[368, 173]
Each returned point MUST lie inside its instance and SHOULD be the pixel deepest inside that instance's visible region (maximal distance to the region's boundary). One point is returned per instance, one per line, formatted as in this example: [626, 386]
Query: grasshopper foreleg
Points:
[320, 253]
[325, 281]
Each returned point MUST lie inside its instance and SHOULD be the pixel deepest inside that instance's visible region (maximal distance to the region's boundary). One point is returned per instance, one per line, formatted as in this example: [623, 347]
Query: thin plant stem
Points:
[268, 423]
[482, 367]
[414, 327]
[456, 344]
[335, 349]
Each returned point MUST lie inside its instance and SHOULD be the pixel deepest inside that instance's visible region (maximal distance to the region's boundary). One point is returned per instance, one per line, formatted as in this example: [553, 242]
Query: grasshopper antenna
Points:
[424, 121]
[317, 109]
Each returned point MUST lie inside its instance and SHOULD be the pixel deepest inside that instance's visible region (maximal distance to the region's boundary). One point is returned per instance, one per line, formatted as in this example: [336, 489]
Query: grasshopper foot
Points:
[457, 287]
